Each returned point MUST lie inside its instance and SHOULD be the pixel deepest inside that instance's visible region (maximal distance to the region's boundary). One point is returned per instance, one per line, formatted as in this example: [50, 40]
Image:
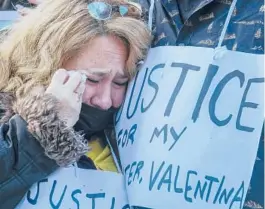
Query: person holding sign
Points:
[64, 71]
[196, 108]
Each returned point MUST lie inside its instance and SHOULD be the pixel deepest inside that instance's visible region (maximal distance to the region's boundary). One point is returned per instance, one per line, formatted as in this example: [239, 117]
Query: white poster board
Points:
[189, 129]
[76, 189]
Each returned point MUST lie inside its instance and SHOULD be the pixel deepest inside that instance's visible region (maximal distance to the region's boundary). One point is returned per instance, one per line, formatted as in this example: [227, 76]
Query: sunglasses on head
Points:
[103, 11]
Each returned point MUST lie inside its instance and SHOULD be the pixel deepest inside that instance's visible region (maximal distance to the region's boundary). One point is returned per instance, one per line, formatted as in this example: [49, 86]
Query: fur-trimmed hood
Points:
[40, 111]
[6, 106]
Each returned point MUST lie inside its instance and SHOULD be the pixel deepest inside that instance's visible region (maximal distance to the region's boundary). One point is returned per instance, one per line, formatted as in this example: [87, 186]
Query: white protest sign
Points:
[67, 189]
[189, 129]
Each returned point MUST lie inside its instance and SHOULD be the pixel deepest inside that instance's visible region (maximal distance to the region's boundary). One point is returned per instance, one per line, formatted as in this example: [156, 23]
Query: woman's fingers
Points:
[59, 78]
[73, 82]
[68, 87]
[80, 91]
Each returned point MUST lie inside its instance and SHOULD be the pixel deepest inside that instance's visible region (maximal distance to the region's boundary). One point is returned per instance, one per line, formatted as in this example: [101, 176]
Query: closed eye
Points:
[121, 84]
[92, 80]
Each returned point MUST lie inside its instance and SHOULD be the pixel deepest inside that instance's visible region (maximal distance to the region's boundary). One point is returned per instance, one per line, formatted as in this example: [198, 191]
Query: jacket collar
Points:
[186, 7]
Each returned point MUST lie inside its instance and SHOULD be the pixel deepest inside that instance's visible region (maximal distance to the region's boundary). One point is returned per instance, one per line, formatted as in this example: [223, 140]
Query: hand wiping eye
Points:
[68, 88]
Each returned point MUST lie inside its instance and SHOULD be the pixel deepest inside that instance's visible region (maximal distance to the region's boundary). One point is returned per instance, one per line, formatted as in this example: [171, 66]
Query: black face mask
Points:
[93, 120]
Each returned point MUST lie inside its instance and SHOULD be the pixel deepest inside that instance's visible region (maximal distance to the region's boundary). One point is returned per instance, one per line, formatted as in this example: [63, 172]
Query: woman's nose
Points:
[102, 99]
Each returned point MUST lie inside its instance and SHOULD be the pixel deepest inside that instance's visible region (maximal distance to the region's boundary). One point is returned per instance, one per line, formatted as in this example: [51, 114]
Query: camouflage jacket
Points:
[199, 23]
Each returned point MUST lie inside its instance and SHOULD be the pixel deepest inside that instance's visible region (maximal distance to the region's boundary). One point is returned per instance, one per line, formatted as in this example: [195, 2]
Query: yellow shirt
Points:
[101, 155]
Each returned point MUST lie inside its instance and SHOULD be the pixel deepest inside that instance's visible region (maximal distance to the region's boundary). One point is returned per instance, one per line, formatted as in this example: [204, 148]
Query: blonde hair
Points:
[38, 44]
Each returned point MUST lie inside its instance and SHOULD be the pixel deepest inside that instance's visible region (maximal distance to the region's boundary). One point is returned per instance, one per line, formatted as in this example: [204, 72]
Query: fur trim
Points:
[6, 103]
[60, 143]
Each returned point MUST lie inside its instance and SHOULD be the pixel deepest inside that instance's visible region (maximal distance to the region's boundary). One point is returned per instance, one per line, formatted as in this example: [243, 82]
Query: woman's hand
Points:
[68, 88]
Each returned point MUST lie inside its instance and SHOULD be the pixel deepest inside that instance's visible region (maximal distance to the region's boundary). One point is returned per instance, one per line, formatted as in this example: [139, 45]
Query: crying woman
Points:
[64, 71]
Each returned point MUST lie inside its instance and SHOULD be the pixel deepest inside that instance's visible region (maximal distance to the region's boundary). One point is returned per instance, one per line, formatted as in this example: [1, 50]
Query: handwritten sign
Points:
[70, 189]
[189, 129]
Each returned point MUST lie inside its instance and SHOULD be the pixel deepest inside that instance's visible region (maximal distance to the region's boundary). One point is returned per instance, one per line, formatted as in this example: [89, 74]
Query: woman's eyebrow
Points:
[96, 71]
[103, 72]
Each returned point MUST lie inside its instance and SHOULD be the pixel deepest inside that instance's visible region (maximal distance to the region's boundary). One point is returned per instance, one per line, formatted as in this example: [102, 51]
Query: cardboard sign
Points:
[189, 129]
[74, 188]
